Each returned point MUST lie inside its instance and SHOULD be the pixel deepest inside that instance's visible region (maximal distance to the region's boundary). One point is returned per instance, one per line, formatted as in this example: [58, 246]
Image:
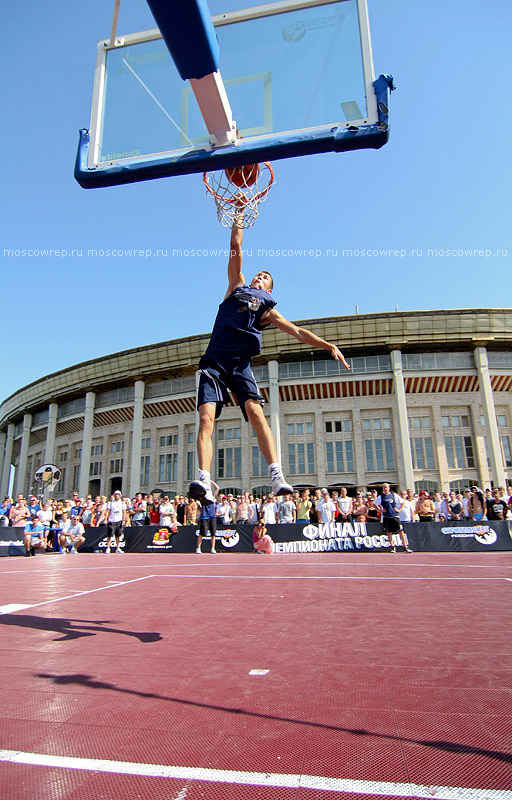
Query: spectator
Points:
[455, 507]
[73, 537]
[254, 510]
[34, 505]
[325, 508]
[191, 512]
[425, 508]
[18, 513]
[465, 504]
[34, 536]
[359, 508]
[373, 513]
[344, 506]
[261, 540]
[477, 506]
[180, 510]
[4, 513]
[496, 507]
[242, 509]
[304, 507]
[287, 511]
[114, 515]
[138, 512]
[223, 509]
[390, 505]
[168, 513]
[317, 497]
[408, 509]
[444, 509]
[270, 511]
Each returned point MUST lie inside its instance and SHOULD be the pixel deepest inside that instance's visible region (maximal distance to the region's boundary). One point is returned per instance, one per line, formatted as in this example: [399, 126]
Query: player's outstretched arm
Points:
[235, 274]
[302, 334]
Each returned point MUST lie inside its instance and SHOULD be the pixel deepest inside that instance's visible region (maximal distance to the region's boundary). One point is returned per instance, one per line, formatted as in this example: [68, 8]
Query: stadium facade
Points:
[426, 404]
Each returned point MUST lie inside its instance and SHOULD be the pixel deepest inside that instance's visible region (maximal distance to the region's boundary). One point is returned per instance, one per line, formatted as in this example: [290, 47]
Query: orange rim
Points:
[255, 199]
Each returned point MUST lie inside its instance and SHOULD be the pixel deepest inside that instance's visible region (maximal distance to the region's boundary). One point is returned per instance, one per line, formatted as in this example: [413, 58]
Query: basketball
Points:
[243, 176]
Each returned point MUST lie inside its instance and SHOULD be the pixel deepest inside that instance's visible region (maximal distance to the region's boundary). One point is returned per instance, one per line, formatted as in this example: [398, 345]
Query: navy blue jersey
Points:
[238, 327]
[390, 503]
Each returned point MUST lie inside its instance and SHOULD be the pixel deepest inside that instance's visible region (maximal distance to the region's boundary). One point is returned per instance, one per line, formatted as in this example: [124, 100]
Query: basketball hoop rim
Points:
[257, 197]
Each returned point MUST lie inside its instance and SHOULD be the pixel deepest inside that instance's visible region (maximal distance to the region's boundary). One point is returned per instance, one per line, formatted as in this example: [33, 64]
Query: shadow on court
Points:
[69, 629]
[450, 747]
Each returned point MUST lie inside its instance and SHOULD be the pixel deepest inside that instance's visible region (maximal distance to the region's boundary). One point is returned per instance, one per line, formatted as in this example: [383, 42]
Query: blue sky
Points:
[441, 183]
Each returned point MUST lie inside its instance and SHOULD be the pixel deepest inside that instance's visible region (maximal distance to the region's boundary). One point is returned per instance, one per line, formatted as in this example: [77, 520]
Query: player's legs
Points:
[263, 430]
[267, 445]
[204, 436]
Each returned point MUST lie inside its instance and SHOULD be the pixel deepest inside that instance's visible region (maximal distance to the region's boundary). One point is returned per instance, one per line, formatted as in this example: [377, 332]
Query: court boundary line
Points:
[266, 779]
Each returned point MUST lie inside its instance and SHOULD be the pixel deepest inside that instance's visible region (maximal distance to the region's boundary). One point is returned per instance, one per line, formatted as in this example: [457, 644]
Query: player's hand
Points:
[338, 355]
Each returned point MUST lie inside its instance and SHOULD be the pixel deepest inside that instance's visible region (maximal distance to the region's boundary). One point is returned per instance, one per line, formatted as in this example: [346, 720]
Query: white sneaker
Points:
[107, 551]
[118, 550]
[199, 490]
[279, 485]
[213, 550]
[198, 549]
[74, 551]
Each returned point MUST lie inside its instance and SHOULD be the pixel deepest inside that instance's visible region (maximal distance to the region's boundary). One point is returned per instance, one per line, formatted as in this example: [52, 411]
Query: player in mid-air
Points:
[226, 365]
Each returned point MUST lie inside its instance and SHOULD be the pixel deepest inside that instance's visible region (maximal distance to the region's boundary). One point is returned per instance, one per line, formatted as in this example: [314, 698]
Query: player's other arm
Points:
[235, 274]
[302, 334]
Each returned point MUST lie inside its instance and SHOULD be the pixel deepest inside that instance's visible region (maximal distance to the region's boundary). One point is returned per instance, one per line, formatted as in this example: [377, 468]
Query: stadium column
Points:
[138, 412]
[273, 382]
[493, 441]
[85, 461]
[49, 453]
[405, 469]
[3, 437]
[21, 472]
[6, 471]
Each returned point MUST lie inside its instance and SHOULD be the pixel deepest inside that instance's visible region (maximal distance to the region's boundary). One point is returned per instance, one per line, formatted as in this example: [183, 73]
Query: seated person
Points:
[34, 536]
[73, 536]
[261, 540]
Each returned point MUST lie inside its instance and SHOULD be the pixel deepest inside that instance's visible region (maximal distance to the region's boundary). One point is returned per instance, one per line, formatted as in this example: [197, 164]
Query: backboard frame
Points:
[370, 132]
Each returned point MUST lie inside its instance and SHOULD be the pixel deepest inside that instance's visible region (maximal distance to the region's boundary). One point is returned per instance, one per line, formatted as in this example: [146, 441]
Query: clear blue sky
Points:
[442, 182]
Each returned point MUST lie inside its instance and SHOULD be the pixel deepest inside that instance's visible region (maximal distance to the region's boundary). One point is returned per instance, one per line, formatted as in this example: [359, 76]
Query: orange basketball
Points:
[243, 176]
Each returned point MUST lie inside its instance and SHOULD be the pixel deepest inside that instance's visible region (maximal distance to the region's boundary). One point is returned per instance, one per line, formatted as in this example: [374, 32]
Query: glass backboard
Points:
[298, 76]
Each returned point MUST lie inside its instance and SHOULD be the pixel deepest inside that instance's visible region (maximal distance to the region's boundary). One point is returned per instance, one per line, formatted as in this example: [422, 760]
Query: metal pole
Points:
[115, 19]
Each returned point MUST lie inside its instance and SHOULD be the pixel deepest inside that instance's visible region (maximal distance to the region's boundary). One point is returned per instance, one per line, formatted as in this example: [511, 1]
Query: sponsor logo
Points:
[297, 29]
[162, 536]
[230, 538]
[484, 534]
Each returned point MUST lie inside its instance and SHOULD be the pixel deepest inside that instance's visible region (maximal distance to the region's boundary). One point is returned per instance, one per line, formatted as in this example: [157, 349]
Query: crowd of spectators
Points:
[302, 507]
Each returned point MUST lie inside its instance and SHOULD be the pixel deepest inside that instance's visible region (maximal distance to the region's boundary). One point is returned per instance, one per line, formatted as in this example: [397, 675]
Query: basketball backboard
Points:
[298, 75]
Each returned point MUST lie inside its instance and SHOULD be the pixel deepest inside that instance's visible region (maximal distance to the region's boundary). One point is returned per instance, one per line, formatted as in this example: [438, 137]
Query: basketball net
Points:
[238, 205]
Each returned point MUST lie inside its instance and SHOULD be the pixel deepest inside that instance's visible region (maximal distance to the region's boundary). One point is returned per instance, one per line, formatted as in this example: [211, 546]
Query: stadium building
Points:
[426, 404]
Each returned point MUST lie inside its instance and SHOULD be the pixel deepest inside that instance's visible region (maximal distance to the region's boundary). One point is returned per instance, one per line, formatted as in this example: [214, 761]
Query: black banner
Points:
[457, 536]
[12, 541]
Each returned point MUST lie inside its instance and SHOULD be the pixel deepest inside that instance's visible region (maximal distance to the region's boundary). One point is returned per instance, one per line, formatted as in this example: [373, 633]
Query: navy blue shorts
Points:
[223, 375]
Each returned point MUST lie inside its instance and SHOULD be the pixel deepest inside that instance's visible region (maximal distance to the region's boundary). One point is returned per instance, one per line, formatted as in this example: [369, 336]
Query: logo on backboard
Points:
[297, 30]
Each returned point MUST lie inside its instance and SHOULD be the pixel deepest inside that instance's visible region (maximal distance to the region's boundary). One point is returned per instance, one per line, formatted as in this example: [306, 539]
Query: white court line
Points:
[71, 596]
[326, 577]
[278, 780]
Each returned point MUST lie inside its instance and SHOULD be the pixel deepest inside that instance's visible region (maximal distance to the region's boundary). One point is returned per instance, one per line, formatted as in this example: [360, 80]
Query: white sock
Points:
[204, 476]
[275, 468]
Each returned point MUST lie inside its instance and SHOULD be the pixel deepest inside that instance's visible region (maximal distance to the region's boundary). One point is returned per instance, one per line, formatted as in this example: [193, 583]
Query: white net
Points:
[238, 193]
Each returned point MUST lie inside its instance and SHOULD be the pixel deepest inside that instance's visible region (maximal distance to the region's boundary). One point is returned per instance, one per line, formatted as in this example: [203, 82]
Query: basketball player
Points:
[226, 364]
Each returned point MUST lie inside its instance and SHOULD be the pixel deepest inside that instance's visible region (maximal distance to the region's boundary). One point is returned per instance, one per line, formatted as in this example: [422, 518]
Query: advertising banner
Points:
[459, 536]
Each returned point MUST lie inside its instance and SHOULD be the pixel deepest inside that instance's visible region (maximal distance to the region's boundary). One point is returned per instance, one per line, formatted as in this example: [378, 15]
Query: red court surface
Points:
[284, 677]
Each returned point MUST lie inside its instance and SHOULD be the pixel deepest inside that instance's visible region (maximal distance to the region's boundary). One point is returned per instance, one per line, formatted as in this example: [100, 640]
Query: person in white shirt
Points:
[345, 505]
[270, 511]
[224, 510]
[115, 512]
[326, 509]
[406, 513]
[74, 536]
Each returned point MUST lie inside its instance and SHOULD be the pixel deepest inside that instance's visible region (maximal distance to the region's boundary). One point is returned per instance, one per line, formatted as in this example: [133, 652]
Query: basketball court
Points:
[238, 676]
